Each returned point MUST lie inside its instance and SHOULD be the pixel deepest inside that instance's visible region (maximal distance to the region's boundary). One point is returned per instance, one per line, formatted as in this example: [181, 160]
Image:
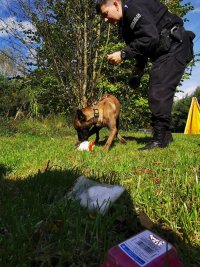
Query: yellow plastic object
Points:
[193, 120]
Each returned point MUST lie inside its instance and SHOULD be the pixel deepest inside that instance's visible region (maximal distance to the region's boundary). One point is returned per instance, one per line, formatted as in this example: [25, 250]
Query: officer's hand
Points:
[115, 58]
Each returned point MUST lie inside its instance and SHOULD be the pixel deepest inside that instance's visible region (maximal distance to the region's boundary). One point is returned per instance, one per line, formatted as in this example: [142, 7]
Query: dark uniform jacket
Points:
[141, 26]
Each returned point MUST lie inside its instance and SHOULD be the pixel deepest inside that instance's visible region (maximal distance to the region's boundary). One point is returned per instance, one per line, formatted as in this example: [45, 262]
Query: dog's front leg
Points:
[113, 132]
[95, 130]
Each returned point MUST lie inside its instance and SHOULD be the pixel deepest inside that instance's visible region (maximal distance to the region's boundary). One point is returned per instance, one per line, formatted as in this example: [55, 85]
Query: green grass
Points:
[40, 227]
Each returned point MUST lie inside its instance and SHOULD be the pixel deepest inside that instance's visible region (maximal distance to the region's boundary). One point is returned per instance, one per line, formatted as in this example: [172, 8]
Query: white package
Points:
[84, 146]
[95, 196]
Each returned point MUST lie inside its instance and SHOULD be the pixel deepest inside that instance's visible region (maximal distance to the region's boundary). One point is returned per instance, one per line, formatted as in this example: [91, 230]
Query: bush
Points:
[7, 127]
[49, 126]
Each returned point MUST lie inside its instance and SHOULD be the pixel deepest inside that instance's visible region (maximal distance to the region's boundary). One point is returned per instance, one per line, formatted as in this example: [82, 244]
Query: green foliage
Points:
[176, 7]
[46, 95]
[35, 95]
[7, 127]
[50, 126]
[181, 109]
[12, 96]
[72, 45]
[114, 80]
[69, 42]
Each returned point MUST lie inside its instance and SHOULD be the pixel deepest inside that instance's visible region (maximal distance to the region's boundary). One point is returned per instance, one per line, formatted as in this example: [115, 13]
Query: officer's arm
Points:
[145, 37]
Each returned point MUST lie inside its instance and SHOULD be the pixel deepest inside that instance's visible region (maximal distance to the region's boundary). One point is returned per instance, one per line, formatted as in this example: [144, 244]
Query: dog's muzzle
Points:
[83, 134]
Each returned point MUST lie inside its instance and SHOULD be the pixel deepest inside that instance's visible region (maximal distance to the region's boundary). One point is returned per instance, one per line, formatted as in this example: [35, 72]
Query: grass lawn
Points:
[39, 226]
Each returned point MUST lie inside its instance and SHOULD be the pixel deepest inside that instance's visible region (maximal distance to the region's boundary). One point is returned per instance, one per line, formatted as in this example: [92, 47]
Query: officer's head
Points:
[110, 10]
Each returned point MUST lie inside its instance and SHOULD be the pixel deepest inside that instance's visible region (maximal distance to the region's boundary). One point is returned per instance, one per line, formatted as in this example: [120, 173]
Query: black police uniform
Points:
[151, 31]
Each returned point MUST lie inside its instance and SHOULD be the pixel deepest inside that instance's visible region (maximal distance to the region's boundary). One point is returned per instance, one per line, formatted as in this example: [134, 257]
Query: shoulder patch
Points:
[135, 20]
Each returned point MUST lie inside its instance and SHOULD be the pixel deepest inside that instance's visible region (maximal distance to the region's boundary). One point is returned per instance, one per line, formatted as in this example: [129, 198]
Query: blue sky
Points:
[15, 24]
[193, 24]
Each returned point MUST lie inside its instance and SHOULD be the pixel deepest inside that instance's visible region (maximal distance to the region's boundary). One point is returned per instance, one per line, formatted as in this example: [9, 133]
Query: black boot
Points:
[168, 138]
[161, 138]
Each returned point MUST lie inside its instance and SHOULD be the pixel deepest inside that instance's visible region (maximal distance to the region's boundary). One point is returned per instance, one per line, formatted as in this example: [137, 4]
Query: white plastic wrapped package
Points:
[86, 145]
[95, 196]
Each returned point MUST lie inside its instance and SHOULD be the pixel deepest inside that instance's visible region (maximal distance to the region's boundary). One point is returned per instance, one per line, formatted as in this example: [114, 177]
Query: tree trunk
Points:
[85, 61]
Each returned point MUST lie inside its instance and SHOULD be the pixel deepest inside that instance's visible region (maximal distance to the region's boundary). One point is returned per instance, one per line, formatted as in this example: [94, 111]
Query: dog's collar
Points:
[96, 112]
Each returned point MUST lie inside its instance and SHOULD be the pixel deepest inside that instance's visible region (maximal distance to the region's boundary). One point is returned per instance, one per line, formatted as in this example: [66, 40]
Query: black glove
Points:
[135, 78]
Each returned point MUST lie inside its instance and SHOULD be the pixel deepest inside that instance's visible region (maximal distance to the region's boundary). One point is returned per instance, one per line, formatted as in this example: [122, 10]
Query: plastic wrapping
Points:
[86, 145]
[94, 196]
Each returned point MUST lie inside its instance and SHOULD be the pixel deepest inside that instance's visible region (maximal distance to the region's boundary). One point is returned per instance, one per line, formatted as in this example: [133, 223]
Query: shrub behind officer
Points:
[151, 31]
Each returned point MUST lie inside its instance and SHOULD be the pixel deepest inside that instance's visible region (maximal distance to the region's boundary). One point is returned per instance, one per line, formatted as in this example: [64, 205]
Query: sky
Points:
[193, 24]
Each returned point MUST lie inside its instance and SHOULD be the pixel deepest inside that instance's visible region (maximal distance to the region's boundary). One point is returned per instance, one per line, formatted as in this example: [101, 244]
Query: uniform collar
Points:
[121, 22]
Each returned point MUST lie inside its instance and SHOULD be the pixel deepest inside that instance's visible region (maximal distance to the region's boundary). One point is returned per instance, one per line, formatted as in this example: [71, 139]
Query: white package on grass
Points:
[84, 146]
[95, 196]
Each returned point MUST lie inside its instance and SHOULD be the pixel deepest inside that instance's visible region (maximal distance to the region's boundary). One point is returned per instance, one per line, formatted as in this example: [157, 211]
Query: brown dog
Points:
[91, 119]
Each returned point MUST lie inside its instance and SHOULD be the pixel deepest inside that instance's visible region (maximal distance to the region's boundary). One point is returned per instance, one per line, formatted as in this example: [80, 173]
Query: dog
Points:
[104, 113]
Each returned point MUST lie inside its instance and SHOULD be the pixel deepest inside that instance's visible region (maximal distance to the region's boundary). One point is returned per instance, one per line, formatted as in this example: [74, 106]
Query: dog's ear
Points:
[80, 115]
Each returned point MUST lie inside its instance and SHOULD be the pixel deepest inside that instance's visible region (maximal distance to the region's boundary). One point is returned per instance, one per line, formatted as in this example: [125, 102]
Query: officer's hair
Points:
[99, 3]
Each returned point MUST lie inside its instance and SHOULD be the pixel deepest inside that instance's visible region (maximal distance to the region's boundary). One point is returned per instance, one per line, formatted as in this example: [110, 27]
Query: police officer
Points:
[150, 31]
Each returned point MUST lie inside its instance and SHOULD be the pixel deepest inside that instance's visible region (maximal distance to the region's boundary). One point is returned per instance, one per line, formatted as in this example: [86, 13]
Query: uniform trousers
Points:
[165, 75]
